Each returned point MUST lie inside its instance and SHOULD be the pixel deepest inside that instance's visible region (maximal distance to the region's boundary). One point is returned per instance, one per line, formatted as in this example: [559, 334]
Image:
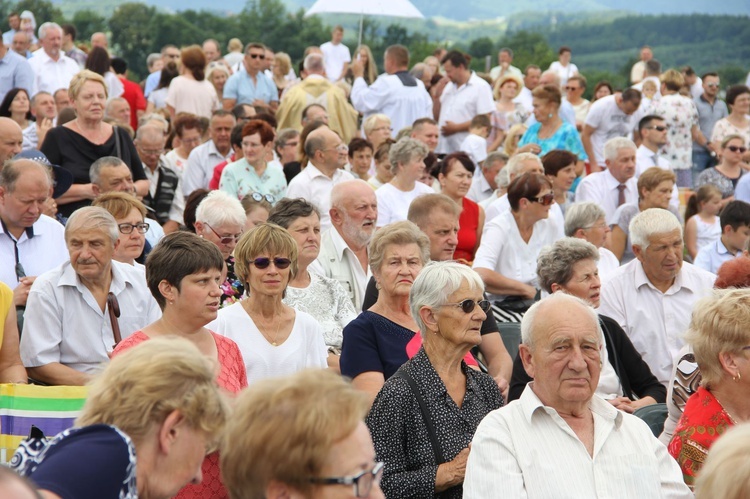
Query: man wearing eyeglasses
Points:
[165, 192]
[710, 110]
[78, 311]
[169, 53]
[250, 85]
[30, 243]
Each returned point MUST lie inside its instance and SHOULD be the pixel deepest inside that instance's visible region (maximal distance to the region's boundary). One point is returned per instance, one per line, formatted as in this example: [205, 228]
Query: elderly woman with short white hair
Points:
[377, 128]
[588, 221]
[407, 165]
[425, 416]
[221, 219]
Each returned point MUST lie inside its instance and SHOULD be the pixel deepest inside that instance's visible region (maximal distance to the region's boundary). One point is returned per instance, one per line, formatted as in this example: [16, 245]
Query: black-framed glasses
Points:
[469, 305]
[226, 239]
[258, 197]
[142, 228]
[362, 482]
[659, 128]
[737, 148]
[263, 262]
[545, 200]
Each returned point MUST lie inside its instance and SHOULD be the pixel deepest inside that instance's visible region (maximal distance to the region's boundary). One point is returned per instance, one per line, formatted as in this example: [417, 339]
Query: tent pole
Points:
[361, 20]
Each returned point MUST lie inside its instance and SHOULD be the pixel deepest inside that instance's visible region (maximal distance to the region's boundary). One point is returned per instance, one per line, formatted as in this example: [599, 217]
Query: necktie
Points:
[621, 195]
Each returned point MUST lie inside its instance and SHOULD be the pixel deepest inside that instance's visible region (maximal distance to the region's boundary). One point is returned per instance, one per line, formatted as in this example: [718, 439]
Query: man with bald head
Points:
[11, 139]
[212, 50]
[324, 170]
[560, 439]
[99, 39]
[30, 243]
[20, 44]
[343, 247]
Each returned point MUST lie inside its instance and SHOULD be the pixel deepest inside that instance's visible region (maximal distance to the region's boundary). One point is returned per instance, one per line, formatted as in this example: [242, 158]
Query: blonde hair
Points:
[398, 233]
[369, 125]
[672, 79]
[119, 204]
[284, 430]
[146, 383]
[726, 472]
[264, 238]
[283, 62]
[77, 82]
[509, 147]
[719, 325]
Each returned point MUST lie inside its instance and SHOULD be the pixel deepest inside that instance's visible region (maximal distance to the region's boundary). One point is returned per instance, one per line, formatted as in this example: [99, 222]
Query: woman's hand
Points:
[453, 472]
[532, 148]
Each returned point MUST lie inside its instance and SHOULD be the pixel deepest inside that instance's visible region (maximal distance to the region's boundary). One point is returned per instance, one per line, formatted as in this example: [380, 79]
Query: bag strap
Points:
[118, 149]
[114, 312]
[436, 449]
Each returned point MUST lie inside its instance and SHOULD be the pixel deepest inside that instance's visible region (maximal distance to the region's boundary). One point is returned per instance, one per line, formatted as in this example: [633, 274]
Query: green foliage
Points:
[528, 48]
[132, 34]
[88, 22]
[43, 11]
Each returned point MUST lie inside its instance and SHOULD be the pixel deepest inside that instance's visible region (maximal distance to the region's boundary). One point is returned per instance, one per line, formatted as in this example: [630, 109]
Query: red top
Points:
[468, 223]
[232, 378]
[703, 421]
[134, 95]
[213, 184]
[416, 343]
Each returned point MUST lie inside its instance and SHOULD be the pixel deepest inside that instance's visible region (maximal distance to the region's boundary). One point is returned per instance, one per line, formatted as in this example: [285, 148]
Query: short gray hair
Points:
[515, 163]
[559, 301]
[92, 217]
[152, 58]
[493, 158]
[46, 27]
[15, 168]
[95, 171]
[555, 263]
[406, 150]
[582, 216]
[502, 179]
[219, 208]
[399, 233]
[154, 117]
[650, 223]
[435, 283]
[419, 70]
[613, 146]
[313, 62]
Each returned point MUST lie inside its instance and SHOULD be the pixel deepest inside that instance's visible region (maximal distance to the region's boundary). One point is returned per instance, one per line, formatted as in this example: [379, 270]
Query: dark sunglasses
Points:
[257, 56]
[712, 85]
[659, 128]
[225, 239]
[571, 88]
[737, 148]
[545, 200]
[263, 262]
[468, 305]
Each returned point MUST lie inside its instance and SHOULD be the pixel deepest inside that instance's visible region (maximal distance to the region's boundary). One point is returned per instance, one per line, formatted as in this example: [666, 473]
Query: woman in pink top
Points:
[184, 273]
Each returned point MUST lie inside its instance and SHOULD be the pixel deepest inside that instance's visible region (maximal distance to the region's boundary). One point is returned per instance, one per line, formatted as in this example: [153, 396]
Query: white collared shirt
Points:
[339, 262]
[645, 158]
[38, 254]
[64, 323]
[502, 205]
[314, 186]
[461, 104]
[393, 203]
[49, 75]
[654, 321]
[200, 166]
[527, 450]
[480, 189]
[711, 256]
[601, 188]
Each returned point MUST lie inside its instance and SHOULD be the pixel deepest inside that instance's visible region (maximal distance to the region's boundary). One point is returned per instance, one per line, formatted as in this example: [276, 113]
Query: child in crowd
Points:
[360, 158]
[735, 233]
[383, 173]
[703, 226]
[475, 144]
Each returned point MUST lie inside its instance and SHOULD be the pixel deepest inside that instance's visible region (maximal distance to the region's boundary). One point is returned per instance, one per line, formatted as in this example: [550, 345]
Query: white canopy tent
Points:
[393, 8]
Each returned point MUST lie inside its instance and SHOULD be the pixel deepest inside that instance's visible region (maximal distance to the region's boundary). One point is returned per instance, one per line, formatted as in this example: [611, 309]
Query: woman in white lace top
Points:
[309, 291]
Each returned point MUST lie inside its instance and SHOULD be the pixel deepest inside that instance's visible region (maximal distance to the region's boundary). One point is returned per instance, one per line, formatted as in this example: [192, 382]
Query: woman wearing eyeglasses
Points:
[727, 173]
[425, 443]
[506, 259]
[275, 339]
[129, 214]
[323, 298]
[221, 219]
[252, 173]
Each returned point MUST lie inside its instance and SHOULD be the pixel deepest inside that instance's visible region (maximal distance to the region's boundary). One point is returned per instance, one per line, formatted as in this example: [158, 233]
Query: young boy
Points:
[735, 233]
[475, 144]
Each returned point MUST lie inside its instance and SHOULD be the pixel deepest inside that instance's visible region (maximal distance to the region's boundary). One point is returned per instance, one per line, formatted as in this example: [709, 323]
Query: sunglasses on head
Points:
[263, 262]
[258, 197]
[545, 200]
[468, 305]
[737, 148]
[257, 56]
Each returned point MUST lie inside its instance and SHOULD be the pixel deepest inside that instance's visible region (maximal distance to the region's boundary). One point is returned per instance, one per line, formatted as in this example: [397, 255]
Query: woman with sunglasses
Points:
[221, 219]
[130, 215]
[737, 123]
[506, 259]
[727, 173]
[275, 339]
[425, 443]
[323, 298]
[252, 173]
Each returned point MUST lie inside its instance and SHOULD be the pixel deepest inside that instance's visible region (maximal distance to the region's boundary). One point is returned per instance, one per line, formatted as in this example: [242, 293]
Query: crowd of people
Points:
[329, 281]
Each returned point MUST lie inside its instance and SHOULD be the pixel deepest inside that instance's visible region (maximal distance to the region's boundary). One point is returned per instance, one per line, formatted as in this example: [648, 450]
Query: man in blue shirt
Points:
[710, 110]
[14, 20]
[249, 85]
[735, 233]
[15, 72]
[168, 53]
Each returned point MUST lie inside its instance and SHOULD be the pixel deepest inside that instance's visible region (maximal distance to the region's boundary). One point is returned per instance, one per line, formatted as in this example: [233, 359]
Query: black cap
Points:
[63, 178]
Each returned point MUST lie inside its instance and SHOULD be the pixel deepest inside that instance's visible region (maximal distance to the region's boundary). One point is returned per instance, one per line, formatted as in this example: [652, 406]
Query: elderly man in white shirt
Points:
[52, 68]
[343, 247]
[560, 439]
[652, 296]
[77, 312]
[616, 185]
[314, 184]
[484, 184]
[397, 94]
